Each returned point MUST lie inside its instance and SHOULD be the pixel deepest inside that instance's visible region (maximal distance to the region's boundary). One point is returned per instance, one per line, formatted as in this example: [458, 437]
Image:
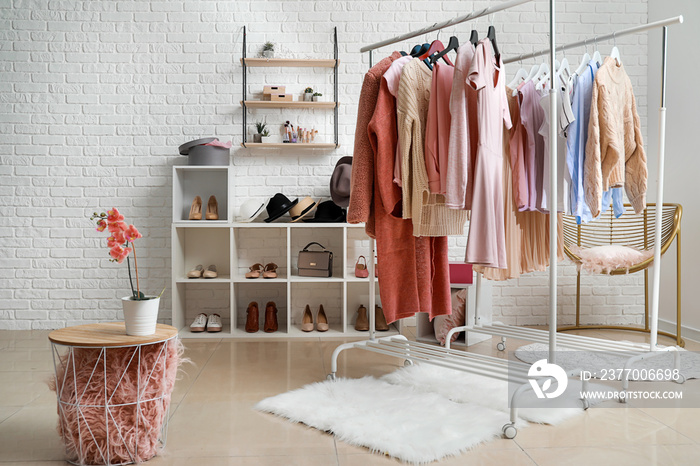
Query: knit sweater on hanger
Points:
[614, 151]
[362, 184]
[431, 217]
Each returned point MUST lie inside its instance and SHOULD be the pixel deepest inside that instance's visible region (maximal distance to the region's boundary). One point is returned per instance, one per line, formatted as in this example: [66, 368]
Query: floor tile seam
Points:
[218, 344]
[19, 408]
[692, 441]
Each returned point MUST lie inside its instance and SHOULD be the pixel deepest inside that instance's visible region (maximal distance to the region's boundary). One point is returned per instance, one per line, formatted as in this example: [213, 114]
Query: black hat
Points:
[278, 206]
[328, 212]
[341, 181]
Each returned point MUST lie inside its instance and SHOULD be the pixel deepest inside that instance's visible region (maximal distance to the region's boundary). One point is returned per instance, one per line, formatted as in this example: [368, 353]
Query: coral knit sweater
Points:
[413, 271]
[614, 151]
[431, 217]
[361, 208]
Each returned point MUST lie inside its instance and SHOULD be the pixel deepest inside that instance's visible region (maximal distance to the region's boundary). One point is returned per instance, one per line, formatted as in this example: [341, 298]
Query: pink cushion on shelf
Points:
[460, 272]
[443, 324]
[605, 259]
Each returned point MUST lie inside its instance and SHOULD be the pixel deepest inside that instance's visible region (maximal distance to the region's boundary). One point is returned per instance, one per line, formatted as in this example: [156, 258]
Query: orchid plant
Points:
[121, 244]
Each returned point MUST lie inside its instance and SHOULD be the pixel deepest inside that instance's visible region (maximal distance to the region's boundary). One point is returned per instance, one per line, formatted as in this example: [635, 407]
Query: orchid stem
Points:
[136, 268]
[131, 281]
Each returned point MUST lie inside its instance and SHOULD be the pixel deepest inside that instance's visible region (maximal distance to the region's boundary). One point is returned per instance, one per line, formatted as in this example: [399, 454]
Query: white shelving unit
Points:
[233, 247]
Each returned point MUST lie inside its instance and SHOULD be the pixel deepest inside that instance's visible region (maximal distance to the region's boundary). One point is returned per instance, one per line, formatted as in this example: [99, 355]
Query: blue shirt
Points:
[577, 135]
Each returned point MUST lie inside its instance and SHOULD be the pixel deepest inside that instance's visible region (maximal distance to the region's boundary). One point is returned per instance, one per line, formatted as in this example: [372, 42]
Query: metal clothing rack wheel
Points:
[635, 231]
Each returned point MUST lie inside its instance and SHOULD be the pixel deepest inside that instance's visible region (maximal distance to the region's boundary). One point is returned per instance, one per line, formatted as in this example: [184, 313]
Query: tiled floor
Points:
[212, 421]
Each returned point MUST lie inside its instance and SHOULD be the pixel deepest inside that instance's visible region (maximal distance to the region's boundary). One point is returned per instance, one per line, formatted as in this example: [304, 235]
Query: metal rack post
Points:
[245, 90]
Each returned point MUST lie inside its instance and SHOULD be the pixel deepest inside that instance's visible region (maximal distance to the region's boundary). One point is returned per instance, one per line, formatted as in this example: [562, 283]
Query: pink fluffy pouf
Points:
[112, 404]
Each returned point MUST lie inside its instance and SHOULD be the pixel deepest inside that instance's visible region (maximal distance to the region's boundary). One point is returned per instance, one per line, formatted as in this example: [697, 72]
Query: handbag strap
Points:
[358, 261]
[312, 243]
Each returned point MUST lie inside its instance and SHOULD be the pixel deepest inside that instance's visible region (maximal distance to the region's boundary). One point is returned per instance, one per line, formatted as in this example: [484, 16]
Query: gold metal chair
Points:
[635, 231]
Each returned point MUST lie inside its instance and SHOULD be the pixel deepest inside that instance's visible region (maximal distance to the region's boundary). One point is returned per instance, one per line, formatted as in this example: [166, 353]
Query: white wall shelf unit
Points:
[233, 247]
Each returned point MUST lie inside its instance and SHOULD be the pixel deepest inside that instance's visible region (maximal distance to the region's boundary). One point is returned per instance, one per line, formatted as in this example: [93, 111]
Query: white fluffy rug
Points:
[595, 362]
[417, 414]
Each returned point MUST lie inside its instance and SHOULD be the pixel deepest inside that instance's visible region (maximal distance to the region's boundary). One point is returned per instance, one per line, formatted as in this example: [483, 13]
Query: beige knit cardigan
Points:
[430, 215]
[614, 151]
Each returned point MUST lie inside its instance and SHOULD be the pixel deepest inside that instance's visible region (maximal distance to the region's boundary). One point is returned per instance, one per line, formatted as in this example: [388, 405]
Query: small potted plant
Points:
[268, 50]
[266, 138]
[317, 96]
[308, 94]
[260, 127]
[140, 311]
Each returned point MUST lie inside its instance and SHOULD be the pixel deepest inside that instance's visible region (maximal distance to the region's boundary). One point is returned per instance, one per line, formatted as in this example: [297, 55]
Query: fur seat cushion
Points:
[605, 259]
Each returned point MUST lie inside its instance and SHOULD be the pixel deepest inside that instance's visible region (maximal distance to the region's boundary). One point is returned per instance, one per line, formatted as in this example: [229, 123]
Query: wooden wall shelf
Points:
[286, 104]
[290, 62]
[288, 145]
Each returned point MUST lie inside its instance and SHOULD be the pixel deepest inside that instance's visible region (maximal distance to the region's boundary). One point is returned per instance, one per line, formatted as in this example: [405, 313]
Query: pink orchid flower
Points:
[131, 233]
[101, 225]
[114, 215]
[119, 253]
[116, 226]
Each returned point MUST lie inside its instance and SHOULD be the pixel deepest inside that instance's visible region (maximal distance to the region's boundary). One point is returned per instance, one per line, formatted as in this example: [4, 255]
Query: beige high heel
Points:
[307, 320]
[212, 209]
[321, 320]
[196, 209]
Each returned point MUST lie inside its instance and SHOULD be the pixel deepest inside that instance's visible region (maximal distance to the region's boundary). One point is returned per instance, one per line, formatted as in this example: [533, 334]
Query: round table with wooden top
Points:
[113, 391]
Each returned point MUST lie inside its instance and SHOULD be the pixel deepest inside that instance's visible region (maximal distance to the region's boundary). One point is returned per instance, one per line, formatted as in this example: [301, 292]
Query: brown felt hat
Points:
[340, 182]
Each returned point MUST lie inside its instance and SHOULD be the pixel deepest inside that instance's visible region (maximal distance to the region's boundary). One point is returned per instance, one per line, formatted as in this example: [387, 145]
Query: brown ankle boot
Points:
[380, 320]
[270, 317]
[251, 323]
[362, 322]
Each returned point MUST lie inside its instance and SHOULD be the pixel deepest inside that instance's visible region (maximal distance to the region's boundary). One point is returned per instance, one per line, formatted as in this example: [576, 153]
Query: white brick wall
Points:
[95, 97]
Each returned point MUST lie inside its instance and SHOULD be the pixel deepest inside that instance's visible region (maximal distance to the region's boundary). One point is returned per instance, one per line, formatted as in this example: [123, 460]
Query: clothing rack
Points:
[400, 347]
[640, 351]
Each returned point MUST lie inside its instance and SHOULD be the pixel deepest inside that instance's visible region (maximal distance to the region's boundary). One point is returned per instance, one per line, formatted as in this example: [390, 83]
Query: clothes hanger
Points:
[453, 44]
[520, 76]
[491, 35]
[596, 55]
[474, 38]
[584, 60]
[419, 50]
[615, 53]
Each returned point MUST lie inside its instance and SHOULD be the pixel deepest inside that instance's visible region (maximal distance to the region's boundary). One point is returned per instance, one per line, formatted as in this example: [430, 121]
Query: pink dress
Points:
[531, 116]
[487, 244]
[437, 128]
[464, 134]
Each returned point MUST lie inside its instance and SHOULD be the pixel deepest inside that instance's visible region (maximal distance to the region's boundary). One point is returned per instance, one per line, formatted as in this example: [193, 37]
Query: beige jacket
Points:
[614, 151]
[430, 215]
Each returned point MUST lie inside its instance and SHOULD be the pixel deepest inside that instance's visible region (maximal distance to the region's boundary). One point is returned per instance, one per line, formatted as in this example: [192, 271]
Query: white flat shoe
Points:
[214, 323]
[210, 272]
[199, 324]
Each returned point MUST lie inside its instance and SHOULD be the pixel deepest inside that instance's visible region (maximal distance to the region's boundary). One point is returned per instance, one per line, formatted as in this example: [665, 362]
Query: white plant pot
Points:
[140, 317]
[308, 96]
[268, 54]
[267, 139]
[317, 98]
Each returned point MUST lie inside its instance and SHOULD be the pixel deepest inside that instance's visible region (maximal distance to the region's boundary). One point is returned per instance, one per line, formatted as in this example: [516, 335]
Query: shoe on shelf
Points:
[212, 209]
[214, 323]
[380, 320]
[196, 209]
[251, 324]
[196, 272]
[255, 271]
[361, 269]
[321, 320]
[270, 317]
[210, 272]
[307, 320]
[362, 322]
[270, 270]
[199, 324]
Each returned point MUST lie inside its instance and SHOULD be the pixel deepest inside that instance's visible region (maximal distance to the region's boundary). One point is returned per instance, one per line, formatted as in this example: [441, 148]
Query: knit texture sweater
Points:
[430, 215]
[614, 151]
[361, 207]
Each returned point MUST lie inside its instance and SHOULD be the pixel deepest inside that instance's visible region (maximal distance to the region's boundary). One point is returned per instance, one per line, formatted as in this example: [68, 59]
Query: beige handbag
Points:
[315, 263]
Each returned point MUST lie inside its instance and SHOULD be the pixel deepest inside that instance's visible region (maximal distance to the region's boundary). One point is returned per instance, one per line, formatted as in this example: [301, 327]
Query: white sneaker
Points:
[214, 323]
[199, 324]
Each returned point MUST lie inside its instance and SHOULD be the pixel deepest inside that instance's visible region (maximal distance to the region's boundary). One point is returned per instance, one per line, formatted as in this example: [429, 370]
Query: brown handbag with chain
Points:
[315, 263]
